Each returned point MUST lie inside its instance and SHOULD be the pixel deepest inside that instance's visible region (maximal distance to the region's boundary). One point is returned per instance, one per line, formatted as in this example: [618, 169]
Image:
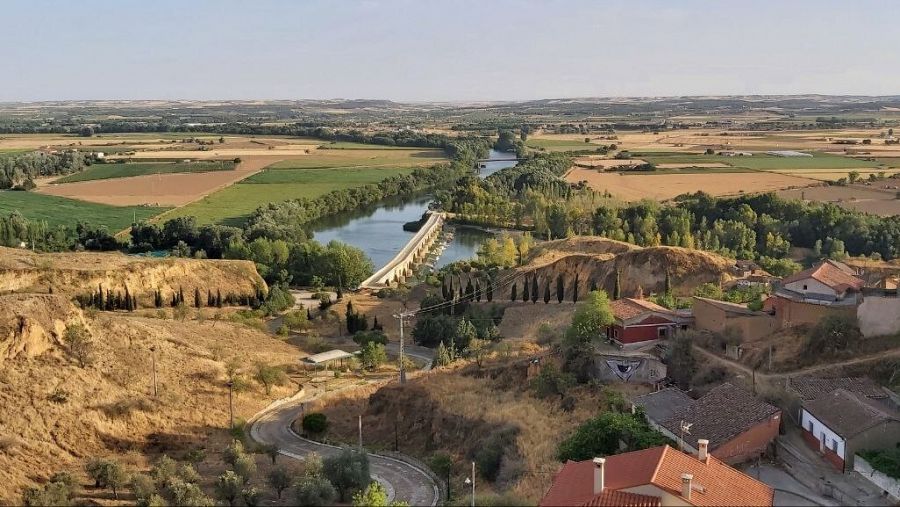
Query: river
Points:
[378, 229]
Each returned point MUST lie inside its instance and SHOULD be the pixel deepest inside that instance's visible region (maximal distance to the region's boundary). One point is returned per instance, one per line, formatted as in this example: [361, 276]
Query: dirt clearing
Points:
[876, 202]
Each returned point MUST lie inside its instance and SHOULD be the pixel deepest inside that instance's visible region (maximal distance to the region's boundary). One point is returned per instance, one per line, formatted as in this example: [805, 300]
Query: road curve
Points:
[402, 480]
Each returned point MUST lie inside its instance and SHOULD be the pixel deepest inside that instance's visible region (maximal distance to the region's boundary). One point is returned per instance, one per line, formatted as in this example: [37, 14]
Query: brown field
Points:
[877, 202]
[834, 174]
[606, 163]
[692, 139]
[160, 189]
[667, 186]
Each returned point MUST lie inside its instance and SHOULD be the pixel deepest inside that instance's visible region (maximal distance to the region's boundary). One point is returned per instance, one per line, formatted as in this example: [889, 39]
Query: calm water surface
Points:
[378, 229]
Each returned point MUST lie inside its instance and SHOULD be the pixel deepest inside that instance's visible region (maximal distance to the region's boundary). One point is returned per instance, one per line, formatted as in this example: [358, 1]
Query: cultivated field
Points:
[633, 187]
[61, 211]
[111, 171]
[877, 202]
[233, 204]
[174, 189]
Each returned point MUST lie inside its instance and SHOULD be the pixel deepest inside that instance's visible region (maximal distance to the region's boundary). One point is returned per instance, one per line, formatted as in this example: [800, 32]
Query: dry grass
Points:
[633, 187]
[54, 414]
[869, 200]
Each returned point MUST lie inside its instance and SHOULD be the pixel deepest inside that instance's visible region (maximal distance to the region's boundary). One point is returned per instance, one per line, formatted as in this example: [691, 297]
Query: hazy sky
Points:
[444, 50]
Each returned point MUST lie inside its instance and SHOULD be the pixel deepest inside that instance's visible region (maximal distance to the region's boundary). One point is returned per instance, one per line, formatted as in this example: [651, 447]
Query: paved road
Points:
[403, 481]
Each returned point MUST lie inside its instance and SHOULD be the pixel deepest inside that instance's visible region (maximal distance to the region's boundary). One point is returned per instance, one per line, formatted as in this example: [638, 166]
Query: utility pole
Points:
[401, 316]
[153, 363]
[360, 433]
[473, 484]
[230, 385]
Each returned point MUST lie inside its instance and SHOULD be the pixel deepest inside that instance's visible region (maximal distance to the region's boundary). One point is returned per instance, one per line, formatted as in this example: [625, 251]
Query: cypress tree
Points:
[128, 300]
[560, 288]
[218, 298]
[100, 303]
[575, 289]
[350, 317]
[180, 295]
[470, 290]
[534, 288]
[668, 283]
[450, 293]
[617, 288]
[526, 291]
[197, 302]
[308, 314]
[134, 304]
[210, 299]
[546, 292]
[593, 285]
[513, 296]
[489, 290]
[477, 291]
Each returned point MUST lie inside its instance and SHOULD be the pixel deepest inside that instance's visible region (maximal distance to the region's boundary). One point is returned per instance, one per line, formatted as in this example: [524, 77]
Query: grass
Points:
[560, 144]
[759, 161]
[342, 145]
[62, 211]
[358, 157]
[109, 171]
[232, 205]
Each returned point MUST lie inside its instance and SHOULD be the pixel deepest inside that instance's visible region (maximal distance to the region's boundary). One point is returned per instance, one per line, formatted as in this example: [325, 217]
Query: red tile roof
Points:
[628, 308]
[612, 498]
[831, 274]
[714, 483]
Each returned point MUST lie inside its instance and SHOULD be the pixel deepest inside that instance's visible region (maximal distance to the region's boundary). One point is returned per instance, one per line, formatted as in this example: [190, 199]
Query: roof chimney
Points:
[599, 475]
[703, 450]
[686, 485]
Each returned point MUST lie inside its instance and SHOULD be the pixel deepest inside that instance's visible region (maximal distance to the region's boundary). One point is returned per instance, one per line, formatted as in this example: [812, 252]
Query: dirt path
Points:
[802, 371]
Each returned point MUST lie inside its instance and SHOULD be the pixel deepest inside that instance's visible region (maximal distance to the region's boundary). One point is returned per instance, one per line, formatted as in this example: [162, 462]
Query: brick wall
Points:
[751, 443]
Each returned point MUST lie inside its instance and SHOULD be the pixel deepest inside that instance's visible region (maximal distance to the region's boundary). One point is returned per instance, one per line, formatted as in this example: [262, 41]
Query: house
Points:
[640, 322]
[842, 415]
[735, 424]
[842, 423]
[658, 476]
[722, 316]
[808, 296]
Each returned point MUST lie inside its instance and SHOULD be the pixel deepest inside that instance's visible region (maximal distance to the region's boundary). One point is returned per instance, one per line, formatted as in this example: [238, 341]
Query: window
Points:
[809, 425]
[662, 332]
[804, 287]
[834, 445]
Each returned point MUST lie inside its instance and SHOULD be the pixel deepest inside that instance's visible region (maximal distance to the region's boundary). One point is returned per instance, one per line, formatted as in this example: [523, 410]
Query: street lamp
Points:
[472, 482]
[230, 385]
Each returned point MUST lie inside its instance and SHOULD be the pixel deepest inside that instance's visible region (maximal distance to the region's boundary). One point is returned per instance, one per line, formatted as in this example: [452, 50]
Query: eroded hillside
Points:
[55, 413]
[78, 273]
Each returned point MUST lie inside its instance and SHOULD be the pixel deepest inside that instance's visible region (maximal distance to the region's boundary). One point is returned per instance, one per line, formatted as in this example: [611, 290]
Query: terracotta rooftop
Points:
[810, 388]
[720, 415]
[833, 274]
[714, 483]
[629, 308]
[615, 498]
[849, 414]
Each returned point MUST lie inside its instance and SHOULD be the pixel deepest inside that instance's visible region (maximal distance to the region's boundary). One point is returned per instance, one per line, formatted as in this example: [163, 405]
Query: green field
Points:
[62, 211]
[232, 205]
[359, 157]
[109, 171]
[758, 161]
[342, 145]
[561, 144]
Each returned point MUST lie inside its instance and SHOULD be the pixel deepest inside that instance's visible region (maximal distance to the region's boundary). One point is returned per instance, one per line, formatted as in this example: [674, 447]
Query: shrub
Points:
[269, 376]
[315, 423]
[280, 479]
[314, 490]
[372, 355]
[603, 436]
[551, 382]
[489, 457]
[228, 486]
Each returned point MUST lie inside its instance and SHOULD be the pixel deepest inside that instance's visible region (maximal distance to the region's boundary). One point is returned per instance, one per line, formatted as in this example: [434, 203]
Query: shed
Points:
[327, 358]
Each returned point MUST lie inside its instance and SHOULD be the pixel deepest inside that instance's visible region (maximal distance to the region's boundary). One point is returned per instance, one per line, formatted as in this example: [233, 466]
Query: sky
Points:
[450, 50]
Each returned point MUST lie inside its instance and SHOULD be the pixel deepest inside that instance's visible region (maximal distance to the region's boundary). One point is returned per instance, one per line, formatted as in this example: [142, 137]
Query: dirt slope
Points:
[54, 414]
[78, 273]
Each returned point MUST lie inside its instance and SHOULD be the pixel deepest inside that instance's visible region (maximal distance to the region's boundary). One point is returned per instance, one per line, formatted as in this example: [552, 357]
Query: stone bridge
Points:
[401, 266]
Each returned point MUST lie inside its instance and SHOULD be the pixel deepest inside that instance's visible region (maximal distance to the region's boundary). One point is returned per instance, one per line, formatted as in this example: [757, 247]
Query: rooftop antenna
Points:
[685, 428]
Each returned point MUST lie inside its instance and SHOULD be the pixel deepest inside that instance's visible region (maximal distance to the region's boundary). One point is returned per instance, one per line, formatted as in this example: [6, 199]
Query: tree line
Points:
[18, 172]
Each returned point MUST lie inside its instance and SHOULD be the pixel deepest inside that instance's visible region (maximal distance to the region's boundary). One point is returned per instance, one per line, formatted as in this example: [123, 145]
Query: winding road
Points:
[402, 480]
